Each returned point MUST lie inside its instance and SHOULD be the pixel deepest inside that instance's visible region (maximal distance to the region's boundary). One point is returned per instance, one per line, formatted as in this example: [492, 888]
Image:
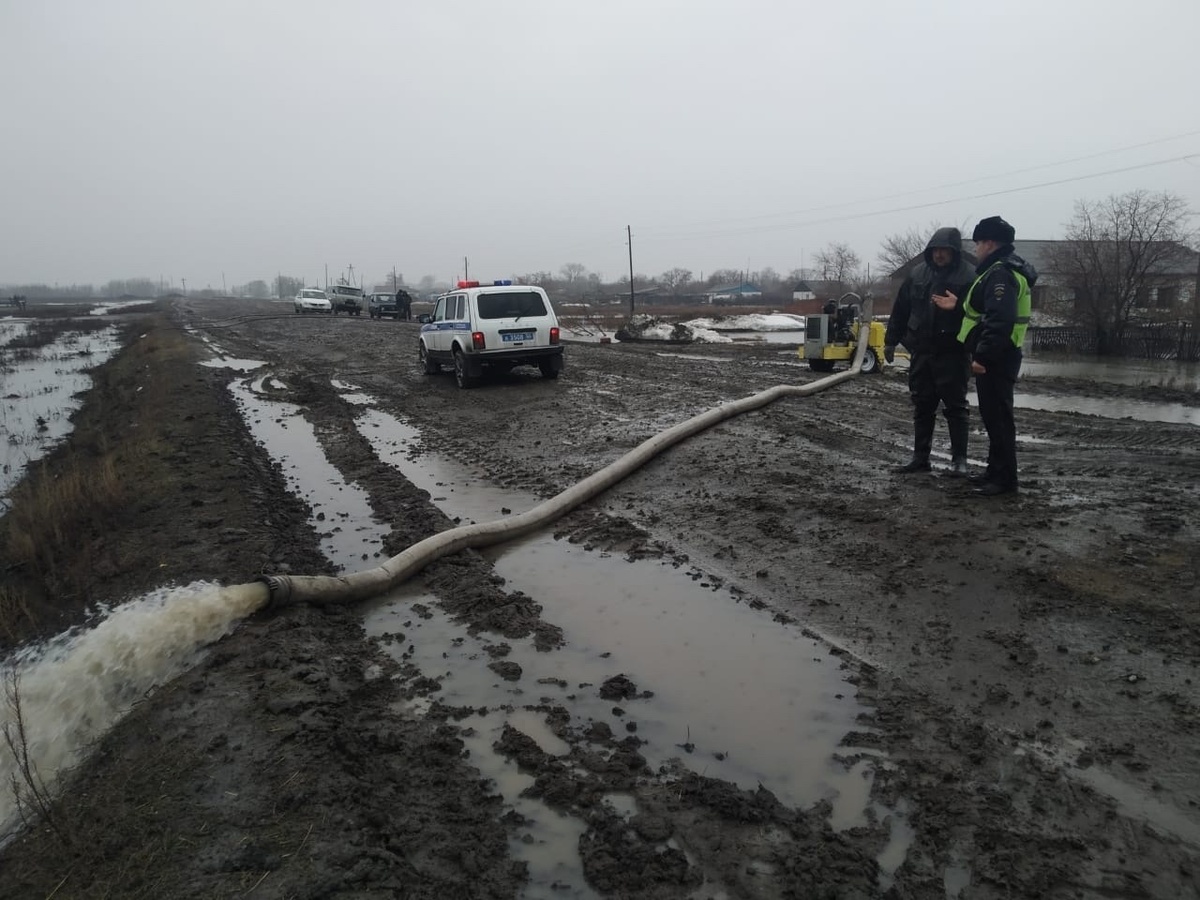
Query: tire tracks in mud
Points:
[860, 551]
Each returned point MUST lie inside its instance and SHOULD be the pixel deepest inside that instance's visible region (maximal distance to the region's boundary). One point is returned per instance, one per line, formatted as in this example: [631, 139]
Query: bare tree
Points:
[768, 279]
[674, 279]
[837, 262]
[724, 276]
[573, 272]
[1116, 250]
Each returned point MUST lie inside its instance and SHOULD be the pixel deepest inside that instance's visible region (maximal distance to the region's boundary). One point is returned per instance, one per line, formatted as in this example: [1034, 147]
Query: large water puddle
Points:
[734, 695]
[39, 389]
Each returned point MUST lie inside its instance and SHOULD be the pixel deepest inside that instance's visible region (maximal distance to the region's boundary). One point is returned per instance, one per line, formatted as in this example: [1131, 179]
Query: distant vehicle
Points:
[381, 304]
[496, 326]
[312, 300]
[346, 298]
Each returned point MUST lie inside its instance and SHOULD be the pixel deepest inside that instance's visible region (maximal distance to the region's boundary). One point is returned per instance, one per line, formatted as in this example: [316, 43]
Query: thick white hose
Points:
[371, 582]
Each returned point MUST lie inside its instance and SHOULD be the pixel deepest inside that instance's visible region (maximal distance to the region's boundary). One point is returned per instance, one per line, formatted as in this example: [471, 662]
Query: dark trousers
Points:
[934, 378]
[995, 392]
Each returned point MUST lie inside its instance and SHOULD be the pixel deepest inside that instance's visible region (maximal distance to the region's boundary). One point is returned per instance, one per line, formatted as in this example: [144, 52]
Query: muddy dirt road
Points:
[1006, 685]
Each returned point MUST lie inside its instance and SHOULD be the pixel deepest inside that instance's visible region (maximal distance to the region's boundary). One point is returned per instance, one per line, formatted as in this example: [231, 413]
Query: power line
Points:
[881, 212]
[953, 184]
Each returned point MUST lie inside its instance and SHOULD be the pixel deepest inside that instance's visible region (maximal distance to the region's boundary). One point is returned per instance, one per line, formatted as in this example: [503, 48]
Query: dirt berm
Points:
[1029, 660]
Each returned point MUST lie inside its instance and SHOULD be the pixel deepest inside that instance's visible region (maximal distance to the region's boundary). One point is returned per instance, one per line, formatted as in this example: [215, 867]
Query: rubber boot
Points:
[959, 428]
[922, 444]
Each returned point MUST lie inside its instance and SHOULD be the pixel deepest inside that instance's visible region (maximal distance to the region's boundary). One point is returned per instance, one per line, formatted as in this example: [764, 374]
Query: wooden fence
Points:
[1168, 340]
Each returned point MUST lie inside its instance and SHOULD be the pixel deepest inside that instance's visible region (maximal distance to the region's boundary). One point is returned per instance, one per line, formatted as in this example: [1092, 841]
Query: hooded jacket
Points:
[915, 321]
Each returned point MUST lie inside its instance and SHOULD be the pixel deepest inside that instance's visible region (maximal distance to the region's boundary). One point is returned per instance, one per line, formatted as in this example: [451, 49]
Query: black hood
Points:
[949, 239]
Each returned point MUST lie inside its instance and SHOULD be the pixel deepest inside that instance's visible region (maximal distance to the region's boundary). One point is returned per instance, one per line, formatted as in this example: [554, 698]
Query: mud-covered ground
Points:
[1029, 660]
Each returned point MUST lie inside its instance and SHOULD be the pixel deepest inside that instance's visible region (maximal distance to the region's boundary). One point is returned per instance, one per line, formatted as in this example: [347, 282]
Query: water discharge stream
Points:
[72, 689]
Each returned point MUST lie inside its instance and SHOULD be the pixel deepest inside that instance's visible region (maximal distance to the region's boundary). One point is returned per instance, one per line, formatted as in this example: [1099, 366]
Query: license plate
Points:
[518, 336]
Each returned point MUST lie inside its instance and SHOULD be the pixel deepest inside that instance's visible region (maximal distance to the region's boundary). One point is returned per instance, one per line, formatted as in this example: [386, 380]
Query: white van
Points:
[496, 326]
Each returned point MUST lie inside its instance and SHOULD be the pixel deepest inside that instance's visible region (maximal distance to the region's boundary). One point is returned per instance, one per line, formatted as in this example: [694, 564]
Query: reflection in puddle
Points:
[757, 702]
[342, 517]
[1111, 408]
[238, 365]
[1135, 372]
[733, 694]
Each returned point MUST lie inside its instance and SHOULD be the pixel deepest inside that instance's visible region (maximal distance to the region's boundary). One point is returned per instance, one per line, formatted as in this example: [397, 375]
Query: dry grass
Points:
[15, 612]
[50, 512]
[55, 539]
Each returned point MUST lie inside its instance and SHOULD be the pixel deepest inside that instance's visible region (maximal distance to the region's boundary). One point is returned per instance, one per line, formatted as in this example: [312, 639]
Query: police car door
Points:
[456, 311]
[434, 332]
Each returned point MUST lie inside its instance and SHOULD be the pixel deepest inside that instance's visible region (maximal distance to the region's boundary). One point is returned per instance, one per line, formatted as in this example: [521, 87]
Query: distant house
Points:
[803, 292]
[1172, 295]
[745, 292]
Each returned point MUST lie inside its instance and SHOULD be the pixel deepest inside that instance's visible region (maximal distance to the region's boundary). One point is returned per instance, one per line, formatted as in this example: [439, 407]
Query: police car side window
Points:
[460, 308]
[439, 310]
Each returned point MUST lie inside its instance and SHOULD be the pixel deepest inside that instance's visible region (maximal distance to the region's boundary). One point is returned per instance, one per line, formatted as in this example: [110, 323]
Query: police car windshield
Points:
[511, 304]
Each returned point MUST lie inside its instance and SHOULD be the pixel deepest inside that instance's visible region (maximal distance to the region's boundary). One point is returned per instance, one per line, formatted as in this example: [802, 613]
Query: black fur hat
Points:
[994, 228]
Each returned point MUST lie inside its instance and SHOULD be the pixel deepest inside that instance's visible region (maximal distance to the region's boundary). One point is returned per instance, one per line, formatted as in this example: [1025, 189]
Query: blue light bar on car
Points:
[502, 281]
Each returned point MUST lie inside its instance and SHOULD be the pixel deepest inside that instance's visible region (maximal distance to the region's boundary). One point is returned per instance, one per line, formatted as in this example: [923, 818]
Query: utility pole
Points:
[224, 289]
[393, 279]
[184, 280]
[327, 276]
[629, 240]
[466, 270]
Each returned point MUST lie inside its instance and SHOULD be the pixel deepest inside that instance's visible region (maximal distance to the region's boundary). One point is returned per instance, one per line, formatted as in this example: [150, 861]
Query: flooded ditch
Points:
[40, 379]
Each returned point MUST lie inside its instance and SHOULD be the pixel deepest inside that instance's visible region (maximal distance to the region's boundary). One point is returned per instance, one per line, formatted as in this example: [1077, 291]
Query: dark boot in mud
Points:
[922, 444]
[917, 464]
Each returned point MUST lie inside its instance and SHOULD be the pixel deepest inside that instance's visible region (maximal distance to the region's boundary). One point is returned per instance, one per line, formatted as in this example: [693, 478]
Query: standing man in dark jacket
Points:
[995, 316]
[940, 366]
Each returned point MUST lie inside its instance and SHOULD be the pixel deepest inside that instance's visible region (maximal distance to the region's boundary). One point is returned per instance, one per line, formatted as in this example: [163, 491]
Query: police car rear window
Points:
[511, 304]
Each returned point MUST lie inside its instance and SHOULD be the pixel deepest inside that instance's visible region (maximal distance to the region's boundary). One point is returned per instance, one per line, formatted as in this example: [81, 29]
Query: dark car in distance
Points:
[381, 304]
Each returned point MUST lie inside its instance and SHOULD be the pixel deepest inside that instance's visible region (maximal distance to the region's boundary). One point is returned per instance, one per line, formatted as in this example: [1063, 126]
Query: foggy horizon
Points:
[220, 143]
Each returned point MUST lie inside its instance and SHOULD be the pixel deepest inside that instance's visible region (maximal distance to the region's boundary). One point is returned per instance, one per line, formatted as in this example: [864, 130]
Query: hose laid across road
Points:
[318, 589]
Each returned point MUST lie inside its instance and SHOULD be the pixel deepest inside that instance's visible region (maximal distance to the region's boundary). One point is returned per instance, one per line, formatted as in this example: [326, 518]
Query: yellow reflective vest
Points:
[972, 316]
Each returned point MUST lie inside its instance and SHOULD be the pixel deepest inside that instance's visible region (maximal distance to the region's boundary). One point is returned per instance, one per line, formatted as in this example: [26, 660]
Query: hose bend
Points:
[350, 588]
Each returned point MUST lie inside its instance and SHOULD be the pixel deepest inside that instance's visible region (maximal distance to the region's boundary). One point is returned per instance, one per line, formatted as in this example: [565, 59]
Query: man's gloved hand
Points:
[889, 354]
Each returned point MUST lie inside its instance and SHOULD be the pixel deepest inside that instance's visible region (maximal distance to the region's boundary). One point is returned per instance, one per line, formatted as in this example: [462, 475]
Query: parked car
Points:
[496, 327]
[346, 298]
[380, 305]
[312, 300]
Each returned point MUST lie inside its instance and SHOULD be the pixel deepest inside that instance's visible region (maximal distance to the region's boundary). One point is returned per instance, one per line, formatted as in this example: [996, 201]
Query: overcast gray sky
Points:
[190, 139]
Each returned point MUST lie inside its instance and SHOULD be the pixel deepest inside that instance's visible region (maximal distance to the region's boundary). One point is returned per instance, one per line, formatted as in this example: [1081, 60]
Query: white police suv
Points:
[495, 326]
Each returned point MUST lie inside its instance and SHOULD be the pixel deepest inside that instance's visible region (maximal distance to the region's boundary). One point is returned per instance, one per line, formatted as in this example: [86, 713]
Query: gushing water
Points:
[73, 688]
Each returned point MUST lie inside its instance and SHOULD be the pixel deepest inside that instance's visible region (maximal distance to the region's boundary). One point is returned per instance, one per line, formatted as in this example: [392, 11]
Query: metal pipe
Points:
[318, 589]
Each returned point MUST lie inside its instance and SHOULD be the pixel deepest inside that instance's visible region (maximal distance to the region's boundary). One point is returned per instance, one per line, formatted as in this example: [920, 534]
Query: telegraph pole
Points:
[466, 270]
[629, 239]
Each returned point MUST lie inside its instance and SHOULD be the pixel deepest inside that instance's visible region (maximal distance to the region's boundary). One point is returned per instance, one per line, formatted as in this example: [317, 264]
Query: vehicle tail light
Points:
[477, 340]
[554, 335]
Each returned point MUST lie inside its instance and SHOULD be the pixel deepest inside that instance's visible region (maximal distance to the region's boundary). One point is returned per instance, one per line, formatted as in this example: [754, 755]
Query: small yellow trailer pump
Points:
[832, 336]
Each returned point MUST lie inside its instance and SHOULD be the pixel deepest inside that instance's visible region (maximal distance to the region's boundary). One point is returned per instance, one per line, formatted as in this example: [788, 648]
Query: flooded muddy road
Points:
[761, 666]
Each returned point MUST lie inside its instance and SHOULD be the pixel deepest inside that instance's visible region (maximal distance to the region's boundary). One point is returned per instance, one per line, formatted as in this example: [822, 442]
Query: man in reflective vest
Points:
[995, 316]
